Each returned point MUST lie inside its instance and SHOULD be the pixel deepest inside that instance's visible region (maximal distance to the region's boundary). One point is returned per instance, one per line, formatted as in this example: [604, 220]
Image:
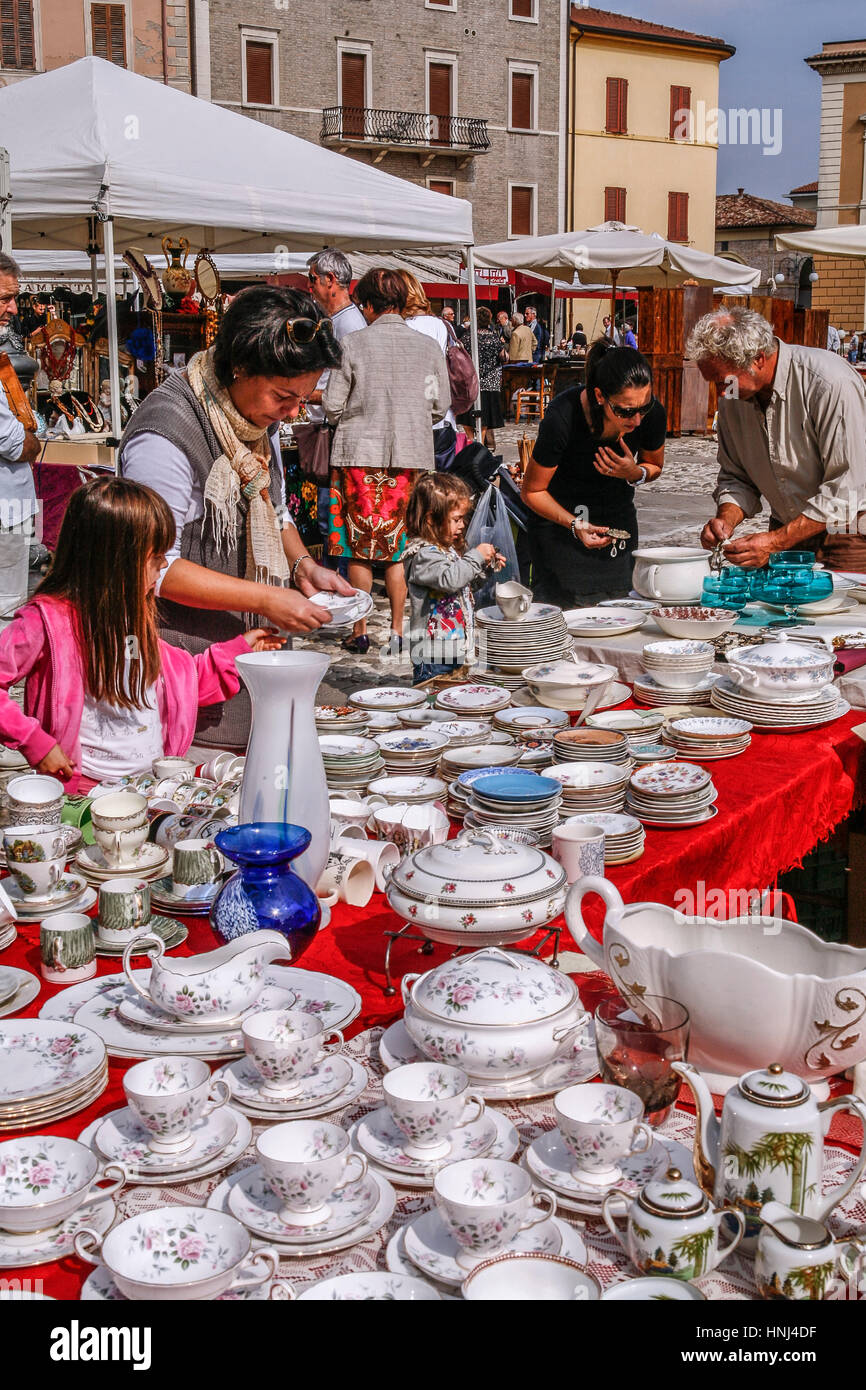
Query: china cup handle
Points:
[355, 1177]
[467, 1118]
[97, 1193]
[281, 1291]
[218, 1096]
[335, 1044]
[135, 945]
[545, 1204]
[87, 1245]
[644, 1132]
[854, 1104]
[216, 860]
[406, 985]
[610, 1220]
[740, 1219]
[252, 1264]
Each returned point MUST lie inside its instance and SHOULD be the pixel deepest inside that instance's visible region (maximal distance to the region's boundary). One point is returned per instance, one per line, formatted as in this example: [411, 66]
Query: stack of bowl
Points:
[624, 836]
[671, 794]
[678, 672]
[590, 786]
[590, 745]
[506, 798]
[460, 789]
[411, 750]
[350, 761]
[708, 737]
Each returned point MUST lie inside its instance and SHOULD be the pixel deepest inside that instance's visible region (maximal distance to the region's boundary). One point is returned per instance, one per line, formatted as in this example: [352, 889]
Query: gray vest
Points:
[174, 412]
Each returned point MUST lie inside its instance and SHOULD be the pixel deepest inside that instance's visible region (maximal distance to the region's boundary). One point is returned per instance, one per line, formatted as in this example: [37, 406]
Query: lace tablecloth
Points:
[607, 1261]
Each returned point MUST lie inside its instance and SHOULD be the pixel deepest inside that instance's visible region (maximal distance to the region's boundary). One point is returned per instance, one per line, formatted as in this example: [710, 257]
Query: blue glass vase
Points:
[266, 892]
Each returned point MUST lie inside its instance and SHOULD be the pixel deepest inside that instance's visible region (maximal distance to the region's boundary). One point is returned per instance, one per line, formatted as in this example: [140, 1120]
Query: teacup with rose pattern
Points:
[285, 1044]
[427, 1100]
[168, 1095]
[303, 1162]
[485, 1202]
[601, 1126]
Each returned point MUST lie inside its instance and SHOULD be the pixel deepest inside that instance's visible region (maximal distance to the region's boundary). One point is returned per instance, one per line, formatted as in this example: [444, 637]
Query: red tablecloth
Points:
[776, 801]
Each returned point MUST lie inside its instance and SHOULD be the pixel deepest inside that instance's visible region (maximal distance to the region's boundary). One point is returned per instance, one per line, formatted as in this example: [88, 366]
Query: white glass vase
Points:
[284, 777]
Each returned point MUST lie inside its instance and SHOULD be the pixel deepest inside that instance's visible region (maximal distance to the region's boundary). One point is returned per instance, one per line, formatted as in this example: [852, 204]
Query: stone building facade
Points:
[746, 229]
[39, 35]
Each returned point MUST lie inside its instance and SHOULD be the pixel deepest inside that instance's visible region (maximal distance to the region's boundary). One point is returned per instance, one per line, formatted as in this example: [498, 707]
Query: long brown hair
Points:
[416, 300]
[432, 498]
[111, 528]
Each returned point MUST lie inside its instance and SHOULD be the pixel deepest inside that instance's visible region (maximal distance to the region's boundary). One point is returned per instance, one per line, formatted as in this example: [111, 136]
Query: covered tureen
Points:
[496, 1014]
[478, 889]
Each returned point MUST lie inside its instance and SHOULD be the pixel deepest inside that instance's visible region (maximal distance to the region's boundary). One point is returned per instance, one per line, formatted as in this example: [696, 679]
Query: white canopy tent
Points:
[92, 139]
[828, 241]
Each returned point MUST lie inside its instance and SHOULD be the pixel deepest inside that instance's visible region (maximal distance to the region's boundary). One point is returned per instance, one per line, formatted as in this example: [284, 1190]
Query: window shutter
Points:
[521, 101]
[259, 61]
[17, 49]
[441, 186]
[108, 33]
[681, 100]
[616, 115]
[614, 205]
[522, 9]
[521, 211]
[678, 217]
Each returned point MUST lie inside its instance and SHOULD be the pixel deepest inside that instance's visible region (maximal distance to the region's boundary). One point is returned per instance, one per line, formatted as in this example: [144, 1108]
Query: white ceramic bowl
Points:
[529, 1277]
[46, 1178]
[694, 621]
[563, 679]
[656, 1287]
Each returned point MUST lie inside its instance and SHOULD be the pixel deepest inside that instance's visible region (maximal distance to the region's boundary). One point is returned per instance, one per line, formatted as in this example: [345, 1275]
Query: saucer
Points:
[133, 1009]
[358, 1082]
[233, 1150]
[396, 1048]
[66, 890]
[548, 1158]
[188, 901]
[99, 1287]
[83, 903]
[27, 986]
[172, 933]
[588, 1202]
[377, 1136]
[121, 1138]
[331, 1076]
[431, 1247]
[377, 1218]
[92, 863]
[258, 1208]
[56, 1243]
[505, 1144]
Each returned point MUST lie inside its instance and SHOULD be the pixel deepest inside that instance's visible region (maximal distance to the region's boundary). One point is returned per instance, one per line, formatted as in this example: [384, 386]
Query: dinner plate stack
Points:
[506, 798]
[7, 935]
[474, 698]
[590, 786]
[590, 746]
[411, 789]
[624, 836]
[649, 692]
[460, 789]
[411, 750]
[671, 794]
[507, 645]
[708, 738]
[387, 697]
[475, 755]
[457, 732]
[350, 761]
[340, 719]
[822, 707]
[48, 1070]
[643, 753]
[517, 720]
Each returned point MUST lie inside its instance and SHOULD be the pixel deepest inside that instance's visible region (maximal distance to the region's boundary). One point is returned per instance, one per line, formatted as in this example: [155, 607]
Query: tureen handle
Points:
[480, 837]
[406, 985]
[507, 957]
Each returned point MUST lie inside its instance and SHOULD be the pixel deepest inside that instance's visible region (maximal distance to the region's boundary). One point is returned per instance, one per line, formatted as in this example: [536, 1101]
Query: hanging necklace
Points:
[57, 369]
[88, 412]
[68, 415]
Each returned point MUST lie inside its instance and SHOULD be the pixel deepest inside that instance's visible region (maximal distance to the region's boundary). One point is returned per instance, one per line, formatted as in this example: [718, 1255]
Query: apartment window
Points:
[441, 186]
[681, 113]
[441, 97]
[616, 114]
[523, 98]
[521, 212]
[527, 10]
[17, 48]
[678, 217]
[614, 205]
[259, 68]
[441, 4]
[108, 33]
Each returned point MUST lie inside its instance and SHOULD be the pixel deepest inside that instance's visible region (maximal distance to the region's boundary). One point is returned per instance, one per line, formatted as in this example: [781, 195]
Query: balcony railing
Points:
[357, 125]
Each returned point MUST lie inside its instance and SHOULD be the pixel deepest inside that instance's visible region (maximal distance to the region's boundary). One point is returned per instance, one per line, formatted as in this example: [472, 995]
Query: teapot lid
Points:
[774, 1086]
[673, 1195]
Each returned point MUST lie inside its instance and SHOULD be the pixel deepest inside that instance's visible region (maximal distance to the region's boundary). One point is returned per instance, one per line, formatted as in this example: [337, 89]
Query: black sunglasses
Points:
[304, 330]
[629, 413]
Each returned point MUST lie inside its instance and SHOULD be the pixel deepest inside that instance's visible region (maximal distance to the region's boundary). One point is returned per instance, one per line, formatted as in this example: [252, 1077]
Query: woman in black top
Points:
[595, 444]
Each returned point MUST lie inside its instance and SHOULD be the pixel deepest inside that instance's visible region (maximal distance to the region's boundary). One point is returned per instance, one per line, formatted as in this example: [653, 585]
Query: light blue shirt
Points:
[17, 489]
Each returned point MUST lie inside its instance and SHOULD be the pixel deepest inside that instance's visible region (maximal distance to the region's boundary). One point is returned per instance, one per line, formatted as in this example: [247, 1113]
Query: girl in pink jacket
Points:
[103, 695]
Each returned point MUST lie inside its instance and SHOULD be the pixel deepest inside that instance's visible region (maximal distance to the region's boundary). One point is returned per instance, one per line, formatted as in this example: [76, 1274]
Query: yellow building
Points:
[644, 126]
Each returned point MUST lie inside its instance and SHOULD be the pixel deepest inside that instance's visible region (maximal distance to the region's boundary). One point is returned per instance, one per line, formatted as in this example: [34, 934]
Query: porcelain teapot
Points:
[672, 1229]
[216, 986]
[768, 1144]
[797, 1258]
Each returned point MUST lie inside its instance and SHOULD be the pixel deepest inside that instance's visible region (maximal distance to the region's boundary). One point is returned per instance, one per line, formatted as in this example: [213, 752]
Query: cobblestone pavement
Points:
[671, 511]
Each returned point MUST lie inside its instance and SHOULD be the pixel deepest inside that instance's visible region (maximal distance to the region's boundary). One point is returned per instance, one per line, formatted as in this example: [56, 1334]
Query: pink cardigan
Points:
[41, 645]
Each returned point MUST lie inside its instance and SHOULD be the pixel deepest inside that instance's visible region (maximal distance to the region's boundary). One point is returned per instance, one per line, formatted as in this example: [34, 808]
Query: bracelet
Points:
[573, 532]
[294, 569]
[643, 476]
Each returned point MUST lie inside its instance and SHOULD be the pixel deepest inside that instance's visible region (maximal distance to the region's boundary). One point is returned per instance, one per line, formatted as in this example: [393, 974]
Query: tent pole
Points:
[473, 320]
[111, 315]
[552, 313]
[614, 276]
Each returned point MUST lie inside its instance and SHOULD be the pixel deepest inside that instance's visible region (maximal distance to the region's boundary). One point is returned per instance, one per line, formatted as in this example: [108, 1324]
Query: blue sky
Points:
[772, 37]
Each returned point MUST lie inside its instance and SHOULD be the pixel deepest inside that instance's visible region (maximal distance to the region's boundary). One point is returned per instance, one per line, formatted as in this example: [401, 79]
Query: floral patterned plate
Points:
[254, 1204]
[121, 1138]
[589, 1204]
[548, 1158]
[358, 1082]
[99, 1287]
[432, 1248]
[505, 1144]
[370, 1286]
[41, 1059]
[387, 697]
[483, 698]
[133, 1009]
[25, 988]
[66, 890]
[377, 1136]
[331, 1076]
[381, 1213]
[123, 1039]
[17, 1251]
[215, 1164]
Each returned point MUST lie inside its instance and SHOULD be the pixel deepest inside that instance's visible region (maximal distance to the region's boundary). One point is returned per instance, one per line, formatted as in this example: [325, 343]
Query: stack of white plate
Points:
[679, 662]
[530, 720]
[643, 753]
[415, 750]
[474, 698]
[411, 789]
[505, 798]
[590, 745]
[7, 935]
[387, 697]
[671, 794]
[475, 755]
[706, 738]
[649, 692]
[537, 749]
[507, 644]
[591, 786]
[624, 836]
[820, 707]
[340, 719]
[350, 761]
[638, 725]
[602, 621]
[48, 1070]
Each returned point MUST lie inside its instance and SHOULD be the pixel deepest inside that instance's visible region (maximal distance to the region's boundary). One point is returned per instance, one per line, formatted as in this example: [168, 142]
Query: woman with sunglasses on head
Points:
[595, 444]
[207, 440]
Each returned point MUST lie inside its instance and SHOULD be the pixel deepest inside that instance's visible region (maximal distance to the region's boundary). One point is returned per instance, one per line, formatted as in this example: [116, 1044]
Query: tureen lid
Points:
[478, 869]
[782, 652]
[493, 987]
[774, 1086]
[673, 1195]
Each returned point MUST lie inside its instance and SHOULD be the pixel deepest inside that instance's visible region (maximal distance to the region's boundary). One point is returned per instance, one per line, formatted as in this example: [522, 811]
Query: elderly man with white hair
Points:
[792, 431]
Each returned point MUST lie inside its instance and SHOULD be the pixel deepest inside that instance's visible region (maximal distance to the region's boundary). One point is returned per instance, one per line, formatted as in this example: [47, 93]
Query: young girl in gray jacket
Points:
[440, 575]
